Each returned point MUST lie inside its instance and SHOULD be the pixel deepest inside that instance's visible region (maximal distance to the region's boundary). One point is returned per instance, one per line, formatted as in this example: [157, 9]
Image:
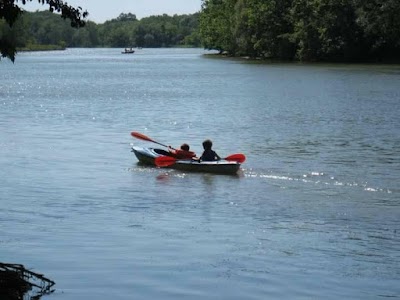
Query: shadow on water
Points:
[17, 283]
[206, 178]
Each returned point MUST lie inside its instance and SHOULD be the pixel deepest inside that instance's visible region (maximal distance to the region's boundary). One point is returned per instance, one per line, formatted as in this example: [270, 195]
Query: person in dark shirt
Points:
[209, 154]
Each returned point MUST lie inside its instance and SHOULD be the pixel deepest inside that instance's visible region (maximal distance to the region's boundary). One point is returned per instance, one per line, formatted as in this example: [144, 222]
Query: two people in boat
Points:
[185, 153]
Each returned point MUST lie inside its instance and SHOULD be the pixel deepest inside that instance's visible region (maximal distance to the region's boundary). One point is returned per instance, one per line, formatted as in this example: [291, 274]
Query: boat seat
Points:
[162, 152]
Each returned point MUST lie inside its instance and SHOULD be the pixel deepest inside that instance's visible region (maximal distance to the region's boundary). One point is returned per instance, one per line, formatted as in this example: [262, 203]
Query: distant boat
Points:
[128, 51]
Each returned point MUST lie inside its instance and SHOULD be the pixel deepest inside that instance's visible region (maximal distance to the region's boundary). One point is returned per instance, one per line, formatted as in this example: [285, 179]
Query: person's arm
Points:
[201, 157]
[217, 156]
[171, 150]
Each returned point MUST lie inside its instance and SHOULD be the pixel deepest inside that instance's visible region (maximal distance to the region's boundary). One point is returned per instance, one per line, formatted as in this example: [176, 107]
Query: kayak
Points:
[148, 155]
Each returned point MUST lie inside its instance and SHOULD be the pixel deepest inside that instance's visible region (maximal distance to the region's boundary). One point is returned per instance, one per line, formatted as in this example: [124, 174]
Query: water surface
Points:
[314, 213]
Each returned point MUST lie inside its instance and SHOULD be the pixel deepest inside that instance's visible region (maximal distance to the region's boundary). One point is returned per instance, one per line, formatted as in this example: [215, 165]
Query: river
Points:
[313, 214]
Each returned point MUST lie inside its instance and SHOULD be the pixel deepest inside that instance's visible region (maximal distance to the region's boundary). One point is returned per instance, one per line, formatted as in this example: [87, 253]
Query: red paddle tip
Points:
[239, 157]
[164, 161]
[135, 134]
[141, 136]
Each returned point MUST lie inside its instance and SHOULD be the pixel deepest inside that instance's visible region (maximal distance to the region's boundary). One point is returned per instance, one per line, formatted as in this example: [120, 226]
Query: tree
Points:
[45, 30]
[261, 28]
[11, 12]
[381, 26]
[326, 30]
[126, 17]
[216, 25]
[308, 30]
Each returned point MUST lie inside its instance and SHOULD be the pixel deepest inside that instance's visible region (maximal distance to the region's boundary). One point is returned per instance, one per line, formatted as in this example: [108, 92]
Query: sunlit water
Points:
[314, 213]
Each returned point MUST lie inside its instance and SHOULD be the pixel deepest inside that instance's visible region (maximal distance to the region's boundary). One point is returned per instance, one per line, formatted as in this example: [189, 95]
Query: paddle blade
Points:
[141, 136]
[239, 157]
[164, 161]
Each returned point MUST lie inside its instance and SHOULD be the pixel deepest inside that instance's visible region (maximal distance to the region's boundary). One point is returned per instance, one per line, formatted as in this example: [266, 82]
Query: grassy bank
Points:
[36, 47]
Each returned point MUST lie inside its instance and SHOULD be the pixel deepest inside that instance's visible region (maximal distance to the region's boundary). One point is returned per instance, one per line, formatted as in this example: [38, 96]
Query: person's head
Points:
[207, 144]
[185, 147]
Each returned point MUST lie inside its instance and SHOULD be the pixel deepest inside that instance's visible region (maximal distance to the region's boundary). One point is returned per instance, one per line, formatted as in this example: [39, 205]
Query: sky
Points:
[102, 10]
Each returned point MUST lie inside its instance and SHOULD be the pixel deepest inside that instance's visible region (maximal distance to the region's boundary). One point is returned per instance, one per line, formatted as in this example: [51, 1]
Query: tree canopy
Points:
[334, 30]
[306, 30]
[44, 30]
[10, 12]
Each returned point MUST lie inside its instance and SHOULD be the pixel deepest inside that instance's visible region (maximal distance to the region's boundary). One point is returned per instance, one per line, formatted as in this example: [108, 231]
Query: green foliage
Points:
[37, 30]
[307, 30]
[334, 30]
[326, 30]
[166, 31]
[37, 47]
[11, 13]
[381, 26]
[216, 26]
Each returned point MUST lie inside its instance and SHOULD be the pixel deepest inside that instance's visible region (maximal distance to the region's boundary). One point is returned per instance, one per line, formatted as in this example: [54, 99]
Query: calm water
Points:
[314, 214]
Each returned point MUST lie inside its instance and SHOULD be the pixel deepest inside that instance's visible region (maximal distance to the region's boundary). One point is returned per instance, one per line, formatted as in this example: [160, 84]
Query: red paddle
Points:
[146, 138]
[165, 161]
[238, 157]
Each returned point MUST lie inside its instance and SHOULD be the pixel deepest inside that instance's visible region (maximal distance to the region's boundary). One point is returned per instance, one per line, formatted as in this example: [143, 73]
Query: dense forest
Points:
[308, 30]
[43, 29]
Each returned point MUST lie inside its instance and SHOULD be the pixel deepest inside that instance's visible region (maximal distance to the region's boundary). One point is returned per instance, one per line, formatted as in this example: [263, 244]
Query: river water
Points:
[313, 214]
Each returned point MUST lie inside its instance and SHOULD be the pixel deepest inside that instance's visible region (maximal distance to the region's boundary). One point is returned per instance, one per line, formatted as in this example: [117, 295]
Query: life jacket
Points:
[182, 154]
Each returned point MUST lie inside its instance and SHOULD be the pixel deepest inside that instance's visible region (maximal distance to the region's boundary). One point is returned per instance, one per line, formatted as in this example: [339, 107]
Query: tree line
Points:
[37, 29]
[308, 30]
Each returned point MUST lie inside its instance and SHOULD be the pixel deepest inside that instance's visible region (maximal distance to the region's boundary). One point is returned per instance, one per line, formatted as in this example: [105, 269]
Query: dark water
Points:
[314, 214]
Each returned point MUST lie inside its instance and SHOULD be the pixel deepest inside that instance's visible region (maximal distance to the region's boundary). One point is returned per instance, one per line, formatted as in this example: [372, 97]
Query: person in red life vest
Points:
[182, 153]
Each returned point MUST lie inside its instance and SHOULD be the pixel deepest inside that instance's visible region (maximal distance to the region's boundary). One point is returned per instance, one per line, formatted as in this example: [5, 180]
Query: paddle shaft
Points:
[164, 161]
[146, 138]
[161, 144]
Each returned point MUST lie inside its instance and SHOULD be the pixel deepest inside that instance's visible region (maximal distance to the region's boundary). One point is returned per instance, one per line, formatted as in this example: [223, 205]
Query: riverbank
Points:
[224, 55]
[37, 47]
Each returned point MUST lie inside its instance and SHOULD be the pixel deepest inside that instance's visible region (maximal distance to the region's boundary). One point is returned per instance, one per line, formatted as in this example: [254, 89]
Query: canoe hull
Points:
[148, 155]
[216, 167]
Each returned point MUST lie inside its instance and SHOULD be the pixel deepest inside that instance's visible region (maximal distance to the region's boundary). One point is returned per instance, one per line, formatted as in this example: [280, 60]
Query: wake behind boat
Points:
[148, 156]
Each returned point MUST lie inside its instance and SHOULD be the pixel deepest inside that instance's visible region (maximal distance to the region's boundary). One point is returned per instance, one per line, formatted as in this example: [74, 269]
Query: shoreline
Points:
[273, 60]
